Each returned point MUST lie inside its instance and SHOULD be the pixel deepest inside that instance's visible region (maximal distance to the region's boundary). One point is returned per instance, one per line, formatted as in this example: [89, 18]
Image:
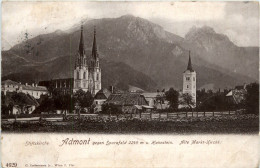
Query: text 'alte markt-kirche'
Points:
[87, 71]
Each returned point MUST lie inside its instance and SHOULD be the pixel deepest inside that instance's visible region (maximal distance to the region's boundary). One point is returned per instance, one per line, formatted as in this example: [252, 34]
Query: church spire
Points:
[94, 47]
[189, 64]
[81, 42]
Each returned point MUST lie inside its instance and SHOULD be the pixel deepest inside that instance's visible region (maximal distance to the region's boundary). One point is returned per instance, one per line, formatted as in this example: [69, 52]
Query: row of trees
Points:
[172, 96]
[206, 100]
[66, 102]
[209, 100]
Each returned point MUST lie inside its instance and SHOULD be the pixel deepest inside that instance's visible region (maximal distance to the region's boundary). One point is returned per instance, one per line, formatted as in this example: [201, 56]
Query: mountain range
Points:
[136, 52]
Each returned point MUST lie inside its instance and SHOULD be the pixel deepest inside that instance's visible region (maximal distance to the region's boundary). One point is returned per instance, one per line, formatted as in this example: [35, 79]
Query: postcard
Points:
[129, 84]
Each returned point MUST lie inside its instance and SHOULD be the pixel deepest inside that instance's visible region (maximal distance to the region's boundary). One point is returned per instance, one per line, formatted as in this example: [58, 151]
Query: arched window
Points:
[97, 77]
[77, 75]
[97, 63]
[84, 75]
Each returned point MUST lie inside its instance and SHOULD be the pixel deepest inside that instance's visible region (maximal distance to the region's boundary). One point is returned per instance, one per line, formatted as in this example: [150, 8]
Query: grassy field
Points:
[236, 124]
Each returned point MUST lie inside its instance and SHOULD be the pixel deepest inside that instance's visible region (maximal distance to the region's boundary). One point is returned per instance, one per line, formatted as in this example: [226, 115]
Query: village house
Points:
[100, 98]
[18, 103]
[156, 100]
[33, 90]
[237, 95]
[129, 102]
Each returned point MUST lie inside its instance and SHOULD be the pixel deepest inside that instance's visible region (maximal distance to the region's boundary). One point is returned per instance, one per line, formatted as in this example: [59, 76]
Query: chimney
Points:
[26, 84]
[36, 85]
[111, 89]
[32, 84]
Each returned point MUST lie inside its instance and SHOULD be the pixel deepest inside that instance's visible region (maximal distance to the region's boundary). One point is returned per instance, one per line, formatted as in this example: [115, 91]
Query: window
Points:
[77, 75]
[187, 78]
[187, 86]
[97, 77]
[84, 75]
[193, 78]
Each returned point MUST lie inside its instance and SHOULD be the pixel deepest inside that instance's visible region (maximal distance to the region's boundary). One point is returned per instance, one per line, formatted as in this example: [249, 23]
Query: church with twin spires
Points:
[87, 73]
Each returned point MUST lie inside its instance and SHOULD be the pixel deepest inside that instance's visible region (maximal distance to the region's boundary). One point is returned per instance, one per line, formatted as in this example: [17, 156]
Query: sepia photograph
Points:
[130, 67]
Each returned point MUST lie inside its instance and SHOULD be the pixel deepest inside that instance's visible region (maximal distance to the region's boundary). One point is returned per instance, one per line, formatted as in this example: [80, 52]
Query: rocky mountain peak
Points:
[206, 34]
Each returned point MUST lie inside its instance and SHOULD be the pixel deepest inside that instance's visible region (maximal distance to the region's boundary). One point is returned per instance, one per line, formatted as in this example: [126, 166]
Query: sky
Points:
[238, 20]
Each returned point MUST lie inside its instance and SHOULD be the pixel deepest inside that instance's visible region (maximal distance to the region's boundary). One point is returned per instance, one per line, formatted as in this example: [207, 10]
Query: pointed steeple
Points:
[94, 46]
[81, 42]
[189, 64]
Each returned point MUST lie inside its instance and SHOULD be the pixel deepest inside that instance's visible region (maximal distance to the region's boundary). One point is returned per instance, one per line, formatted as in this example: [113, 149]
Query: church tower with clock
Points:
[189, 81]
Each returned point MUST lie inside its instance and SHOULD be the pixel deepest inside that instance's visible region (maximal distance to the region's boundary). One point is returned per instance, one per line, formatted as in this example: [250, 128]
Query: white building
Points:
[33, 90]
[189, 81]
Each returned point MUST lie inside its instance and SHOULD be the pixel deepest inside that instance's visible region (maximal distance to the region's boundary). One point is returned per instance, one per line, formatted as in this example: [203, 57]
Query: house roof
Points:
[127, 99]
[34, 88]
[238, 95]
[152, 94]
[19, 99]
[135, 89]
[24, 87]
[102, 94]
[10, 82]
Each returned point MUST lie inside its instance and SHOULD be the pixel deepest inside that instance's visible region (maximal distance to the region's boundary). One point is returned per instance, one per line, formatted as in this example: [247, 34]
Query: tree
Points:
[252, 98]
[46, 104]
[85, 99]
[173, 97]
[187, 100]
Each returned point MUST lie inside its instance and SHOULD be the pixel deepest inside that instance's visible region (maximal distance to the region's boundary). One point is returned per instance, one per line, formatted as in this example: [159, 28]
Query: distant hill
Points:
[63, 67]
[139, 53]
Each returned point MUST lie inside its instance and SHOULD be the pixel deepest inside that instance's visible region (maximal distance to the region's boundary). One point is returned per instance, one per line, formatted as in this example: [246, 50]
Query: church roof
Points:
[189, 67]
[94, 46]
[81, 43]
